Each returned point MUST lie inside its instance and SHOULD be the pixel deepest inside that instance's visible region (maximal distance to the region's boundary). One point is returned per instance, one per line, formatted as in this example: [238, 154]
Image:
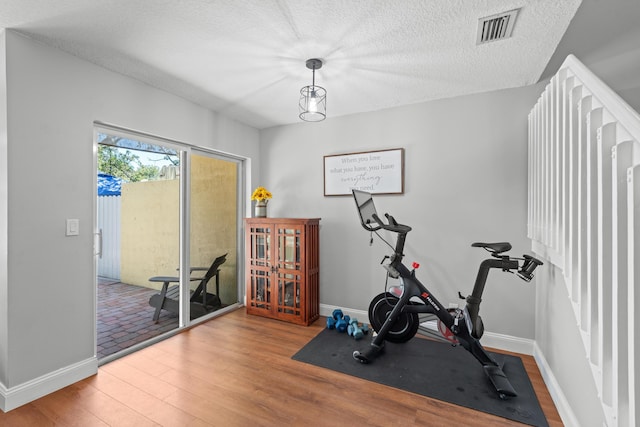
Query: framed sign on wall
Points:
[377, 172]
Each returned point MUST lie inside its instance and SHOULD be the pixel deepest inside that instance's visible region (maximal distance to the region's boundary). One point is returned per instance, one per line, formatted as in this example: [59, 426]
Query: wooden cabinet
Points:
[283, 268]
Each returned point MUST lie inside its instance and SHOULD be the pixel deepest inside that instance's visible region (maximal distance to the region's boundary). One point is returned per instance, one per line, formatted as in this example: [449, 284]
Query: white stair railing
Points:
[584, 217]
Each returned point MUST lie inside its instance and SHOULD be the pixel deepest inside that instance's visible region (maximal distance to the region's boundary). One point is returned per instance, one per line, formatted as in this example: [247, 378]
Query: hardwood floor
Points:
[236, 370]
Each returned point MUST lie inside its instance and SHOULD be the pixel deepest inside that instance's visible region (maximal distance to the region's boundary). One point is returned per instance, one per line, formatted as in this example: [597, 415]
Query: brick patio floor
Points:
[125, 317]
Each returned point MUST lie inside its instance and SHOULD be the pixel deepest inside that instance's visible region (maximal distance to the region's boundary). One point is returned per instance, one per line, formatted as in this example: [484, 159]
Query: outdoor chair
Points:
[201, 301]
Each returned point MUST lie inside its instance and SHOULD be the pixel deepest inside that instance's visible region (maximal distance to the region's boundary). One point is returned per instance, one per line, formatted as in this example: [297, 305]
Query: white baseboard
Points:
[489, 339]
[508, 343]
[327, 311]
[564, 409]
[13, 397]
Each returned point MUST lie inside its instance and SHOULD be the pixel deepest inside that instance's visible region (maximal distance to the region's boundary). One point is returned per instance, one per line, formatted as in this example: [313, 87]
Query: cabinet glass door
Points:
[289, 270]
[260, 267]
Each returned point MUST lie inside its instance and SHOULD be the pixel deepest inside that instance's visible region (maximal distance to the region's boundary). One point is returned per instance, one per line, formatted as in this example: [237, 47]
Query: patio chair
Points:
[201, 301]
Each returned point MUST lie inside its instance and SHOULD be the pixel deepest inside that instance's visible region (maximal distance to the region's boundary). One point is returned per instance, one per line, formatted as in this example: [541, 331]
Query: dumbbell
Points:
[331, 323]
[354, 330]
[342, 321]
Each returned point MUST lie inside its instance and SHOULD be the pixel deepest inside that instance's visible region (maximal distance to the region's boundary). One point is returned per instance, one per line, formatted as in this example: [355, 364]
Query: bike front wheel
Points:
[405, 326]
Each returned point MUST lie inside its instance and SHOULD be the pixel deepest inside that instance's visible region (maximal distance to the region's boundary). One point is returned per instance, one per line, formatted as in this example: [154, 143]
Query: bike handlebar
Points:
[530, 264]
[392, 224]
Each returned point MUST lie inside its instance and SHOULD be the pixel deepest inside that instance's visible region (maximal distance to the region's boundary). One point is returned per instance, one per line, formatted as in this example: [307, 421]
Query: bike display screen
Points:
[366, 209]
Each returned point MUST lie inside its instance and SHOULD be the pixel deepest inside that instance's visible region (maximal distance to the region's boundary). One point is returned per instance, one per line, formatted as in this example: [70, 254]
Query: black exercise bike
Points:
[395, 315]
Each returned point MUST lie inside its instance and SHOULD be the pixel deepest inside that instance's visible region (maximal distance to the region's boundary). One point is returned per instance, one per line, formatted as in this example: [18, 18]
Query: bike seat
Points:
[496, 248]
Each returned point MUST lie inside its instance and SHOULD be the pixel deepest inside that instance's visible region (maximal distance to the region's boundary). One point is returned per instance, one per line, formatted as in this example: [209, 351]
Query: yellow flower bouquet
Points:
[261, 194]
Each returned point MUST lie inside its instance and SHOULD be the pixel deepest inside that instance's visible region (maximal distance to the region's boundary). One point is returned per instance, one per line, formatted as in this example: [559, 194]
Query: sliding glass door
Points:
[138, 219]
[167, 229]
[213, 227]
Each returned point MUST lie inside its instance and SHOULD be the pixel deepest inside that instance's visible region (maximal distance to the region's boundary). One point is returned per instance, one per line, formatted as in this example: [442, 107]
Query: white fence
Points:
[109, 227]
[584, 217]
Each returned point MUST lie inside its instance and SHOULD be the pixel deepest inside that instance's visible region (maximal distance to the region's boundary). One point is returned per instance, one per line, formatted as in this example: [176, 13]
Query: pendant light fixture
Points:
[313, 99]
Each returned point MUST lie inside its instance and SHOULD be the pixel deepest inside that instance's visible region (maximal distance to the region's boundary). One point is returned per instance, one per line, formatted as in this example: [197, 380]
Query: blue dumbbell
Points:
[343, 324]
[354, 330]
[342, 321]
[331, 323]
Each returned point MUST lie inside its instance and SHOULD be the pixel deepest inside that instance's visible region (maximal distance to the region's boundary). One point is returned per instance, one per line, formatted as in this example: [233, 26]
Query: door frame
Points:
[185, 150]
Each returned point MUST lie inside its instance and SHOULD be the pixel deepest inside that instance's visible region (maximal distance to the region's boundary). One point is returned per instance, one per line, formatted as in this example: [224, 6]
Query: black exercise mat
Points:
[432, 369]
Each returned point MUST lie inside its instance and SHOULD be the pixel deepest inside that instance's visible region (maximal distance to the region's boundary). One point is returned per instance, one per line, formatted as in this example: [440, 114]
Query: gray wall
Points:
[465, 181]
[3, 210]
[605, 36]
[560, 344]
[53, 99]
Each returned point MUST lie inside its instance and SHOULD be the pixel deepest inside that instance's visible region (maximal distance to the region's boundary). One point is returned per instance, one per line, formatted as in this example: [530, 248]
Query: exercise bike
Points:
[395, 315]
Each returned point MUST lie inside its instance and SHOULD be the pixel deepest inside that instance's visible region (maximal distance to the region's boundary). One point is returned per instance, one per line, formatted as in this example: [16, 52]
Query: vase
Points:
[261, 209]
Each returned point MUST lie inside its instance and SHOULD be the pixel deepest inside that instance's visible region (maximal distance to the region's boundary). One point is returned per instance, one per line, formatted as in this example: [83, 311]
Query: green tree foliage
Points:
[124, 164]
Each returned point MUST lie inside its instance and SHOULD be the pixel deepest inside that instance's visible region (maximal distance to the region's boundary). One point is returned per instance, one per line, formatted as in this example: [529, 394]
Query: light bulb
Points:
[313, 102]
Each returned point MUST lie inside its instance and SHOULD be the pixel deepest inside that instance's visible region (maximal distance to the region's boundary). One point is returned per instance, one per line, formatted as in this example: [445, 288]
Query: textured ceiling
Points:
[246, 58]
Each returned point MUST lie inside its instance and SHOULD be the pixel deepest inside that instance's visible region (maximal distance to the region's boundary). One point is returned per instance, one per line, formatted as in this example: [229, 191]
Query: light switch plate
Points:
[73, 227]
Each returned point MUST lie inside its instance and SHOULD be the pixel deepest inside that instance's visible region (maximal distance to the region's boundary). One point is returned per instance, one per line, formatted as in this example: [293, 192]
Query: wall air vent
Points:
[496, 27]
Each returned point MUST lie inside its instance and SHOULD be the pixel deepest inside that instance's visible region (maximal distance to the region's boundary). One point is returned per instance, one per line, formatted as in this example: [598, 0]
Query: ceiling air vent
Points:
[496, 27]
